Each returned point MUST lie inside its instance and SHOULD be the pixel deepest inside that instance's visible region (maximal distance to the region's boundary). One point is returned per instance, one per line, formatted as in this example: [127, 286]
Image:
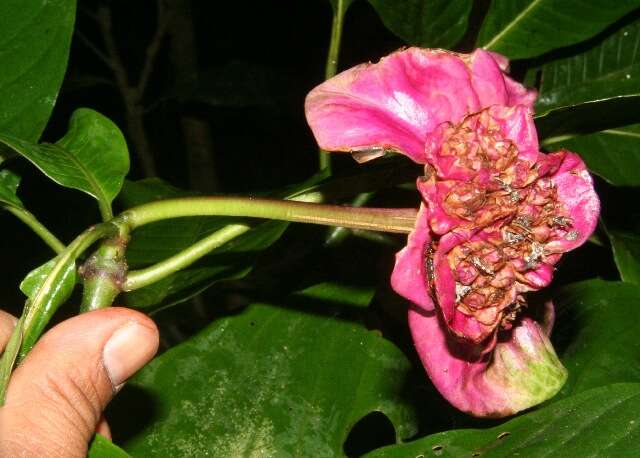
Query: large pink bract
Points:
[496, 215]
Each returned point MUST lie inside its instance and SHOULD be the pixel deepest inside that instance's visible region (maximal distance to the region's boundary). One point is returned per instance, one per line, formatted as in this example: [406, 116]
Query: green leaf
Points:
[34, 279]
[597, 88]
[528, 28]
[431, 23]
[626, 252]
[604, 68]
[612, 154]
[600, 422]
[596, 334]
[558, 124]
[92, 157]
[31, 285]
[158, 241]
[275, 380]
[9, 183]
[34, 49]
[101, 447]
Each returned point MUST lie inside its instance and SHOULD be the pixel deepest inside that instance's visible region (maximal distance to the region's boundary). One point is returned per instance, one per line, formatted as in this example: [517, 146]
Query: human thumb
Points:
[56, 396]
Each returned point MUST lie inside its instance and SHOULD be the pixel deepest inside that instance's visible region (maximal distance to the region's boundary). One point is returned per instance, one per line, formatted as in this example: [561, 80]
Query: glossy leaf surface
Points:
[433, 23]
[596, 334]
[92, 156]
[594, 89]
[605, 67]
[34, 49]
[50, 302]
[527, 28]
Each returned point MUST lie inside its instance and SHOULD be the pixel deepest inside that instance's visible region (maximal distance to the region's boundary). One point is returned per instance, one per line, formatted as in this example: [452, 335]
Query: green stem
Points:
[338, 234]
[105, 210]
[387, 220]
[336, 37]
[332, 60]
[104, 272]
[144, 277]
[376, 219]
[36, 226]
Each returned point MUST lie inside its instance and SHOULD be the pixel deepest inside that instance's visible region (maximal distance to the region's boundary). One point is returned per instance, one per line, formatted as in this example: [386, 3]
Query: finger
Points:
[56, 397]
[103, 428]
[7, 323]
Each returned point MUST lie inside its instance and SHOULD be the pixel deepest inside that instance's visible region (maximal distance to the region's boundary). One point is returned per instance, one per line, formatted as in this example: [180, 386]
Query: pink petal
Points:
[538, 278]
[522, 371]
[434, 192]
[409, 276]
[395, 103]
[458, 323]
[518, 94]
[575, 191]
[516, 124]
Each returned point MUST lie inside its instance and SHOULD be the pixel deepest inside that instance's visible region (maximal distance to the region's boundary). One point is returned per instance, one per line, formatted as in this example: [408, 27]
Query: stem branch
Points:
[144, 277]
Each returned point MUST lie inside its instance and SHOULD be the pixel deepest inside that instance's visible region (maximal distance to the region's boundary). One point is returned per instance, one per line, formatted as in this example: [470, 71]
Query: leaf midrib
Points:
[516, 20]
[99, 192]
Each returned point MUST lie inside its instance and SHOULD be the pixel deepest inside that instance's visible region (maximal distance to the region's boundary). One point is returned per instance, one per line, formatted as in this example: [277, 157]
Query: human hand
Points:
[56, 397]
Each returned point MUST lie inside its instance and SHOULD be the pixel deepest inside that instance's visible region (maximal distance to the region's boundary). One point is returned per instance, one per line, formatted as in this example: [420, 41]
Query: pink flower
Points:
[395, 103]
[496, 216]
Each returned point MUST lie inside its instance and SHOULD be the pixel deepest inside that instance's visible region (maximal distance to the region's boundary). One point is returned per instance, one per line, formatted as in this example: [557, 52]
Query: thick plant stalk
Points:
[104, 273]
[376, 219]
